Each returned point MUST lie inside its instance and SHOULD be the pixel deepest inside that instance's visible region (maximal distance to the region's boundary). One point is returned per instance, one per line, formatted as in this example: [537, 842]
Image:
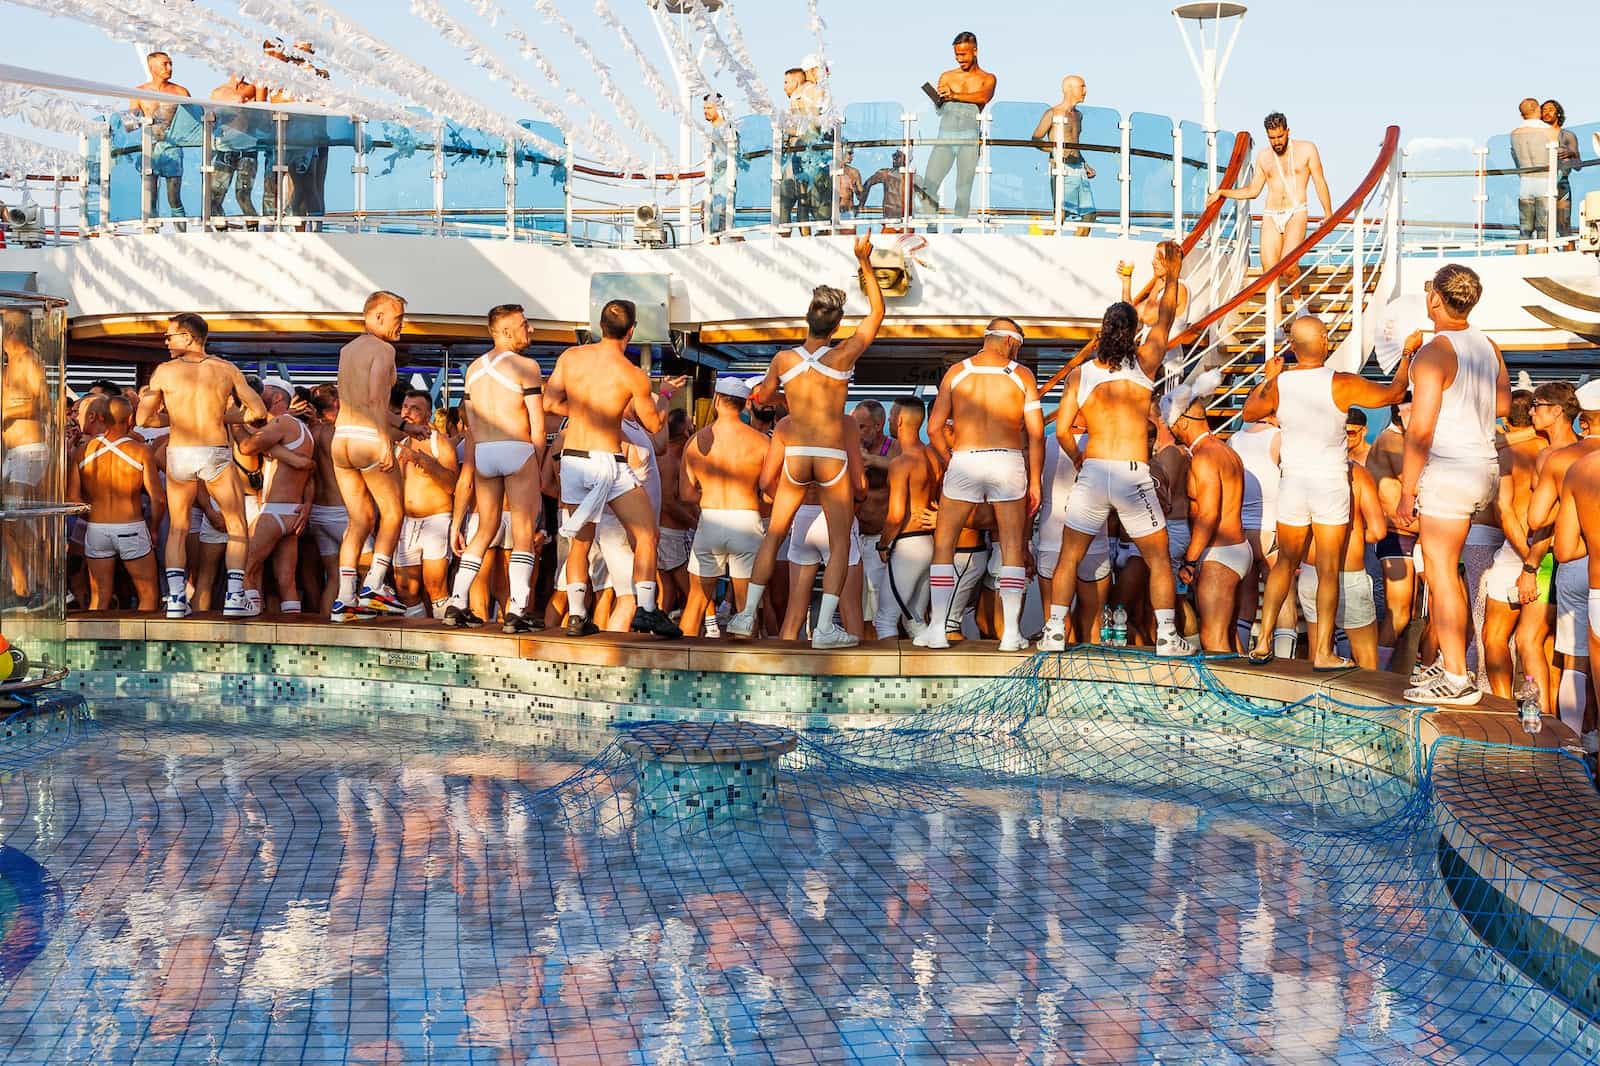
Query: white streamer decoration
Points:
[818, 28]
[737, 45]
[683, 57]
[22, 156]
[608, 87]
[666, 98]
[46, 110]
[724, 58]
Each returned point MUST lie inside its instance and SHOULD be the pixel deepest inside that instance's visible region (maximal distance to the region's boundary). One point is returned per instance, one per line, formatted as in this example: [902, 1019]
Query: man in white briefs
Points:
[505, 408]
[1310, 400]
[997, 458]
[1459, 386]
[1283, 168]
[1113, 392]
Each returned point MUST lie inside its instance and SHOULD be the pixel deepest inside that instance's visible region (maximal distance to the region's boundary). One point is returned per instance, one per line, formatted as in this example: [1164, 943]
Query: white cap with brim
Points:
[1589, 396]
[739, 388]
[810, 62]
[276, 382]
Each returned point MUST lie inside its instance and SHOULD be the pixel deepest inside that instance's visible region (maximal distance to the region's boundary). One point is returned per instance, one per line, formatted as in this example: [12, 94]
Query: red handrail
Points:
[1345, 212]
[1230, 175]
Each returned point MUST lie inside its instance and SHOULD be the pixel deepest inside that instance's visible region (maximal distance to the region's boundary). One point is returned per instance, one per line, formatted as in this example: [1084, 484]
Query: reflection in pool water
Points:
[280, 884]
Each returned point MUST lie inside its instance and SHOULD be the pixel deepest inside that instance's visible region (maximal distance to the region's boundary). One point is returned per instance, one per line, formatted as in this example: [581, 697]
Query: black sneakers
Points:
[655, 622]
[580, 626]
[461, 618]
[521, 623]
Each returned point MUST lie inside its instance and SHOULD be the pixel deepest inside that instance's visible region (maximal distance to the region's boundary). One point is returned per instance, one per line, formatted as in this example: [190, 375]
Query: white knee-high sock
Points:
[466, 574]
[1571, 695]
[828, 611]
[752, 598]
[1013, 586]
[578, 599]
[521, 574]
[177, 584]
[347, 584]
[941, 590]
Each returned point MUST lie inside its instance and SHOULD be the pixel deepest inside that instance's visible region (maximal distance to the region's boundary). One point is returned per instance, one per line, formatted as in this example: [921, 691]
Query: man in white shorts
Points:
[1577, 530]
[1458, 388]
[993, 402]
[112, 473]
[1310, 401]
[721, 471]
[904, 544]
[1358, 611]
[1094, 572]
[611, 566]
[428, 470]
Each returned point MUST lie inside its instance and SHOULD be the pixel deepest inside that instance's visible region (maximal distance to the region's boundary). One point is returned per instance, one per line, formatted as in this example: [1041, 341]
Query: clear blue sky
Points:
[1341, 71]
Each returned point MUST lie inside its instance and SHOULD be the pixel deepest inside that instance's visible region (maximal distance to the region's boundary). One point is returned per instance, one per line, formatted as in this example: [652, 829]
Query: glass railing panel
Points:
[1441, 183]
[1150, 165]
[400, 176]
[1101, 146]
[1517, 194]
[805, 163]
[1578, 178]
[873, 137]
[753, 181]
[1021, 194]
[541, 182]
[945, 154]
[474, 182]
[243, 155]
[1195, 172]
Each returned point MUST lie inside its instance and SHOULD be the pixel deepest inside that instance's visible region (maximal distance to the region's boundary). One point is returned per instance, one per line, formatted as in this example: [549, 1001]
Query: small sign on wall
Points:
[404, 660]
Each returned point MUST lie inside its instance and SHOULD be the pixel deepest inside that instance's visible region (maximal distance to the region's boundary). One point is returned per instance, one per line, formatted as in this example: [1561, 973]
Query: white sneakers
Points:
[742, 624]
[1172, 646]
[1054, 637]
[932, 637]
[177, 606]
[1014, 642]
[827, 636]
[1441, 690]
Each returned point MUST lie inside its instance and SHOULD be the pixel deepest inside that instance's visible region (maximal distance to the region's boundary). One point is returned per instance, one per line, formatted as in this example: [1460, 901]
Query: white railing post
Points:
[105, 179]
[731, 177]
[511, 189]
[280, 168]
[908, 172]
[985, 167]
[1481, 196]
[438, 178]
[1358, 277]
[56, 209]
[1125, 176]
[1552, 195]
[1058, 169]
[777, 175]
[208, 124]
[1177, 181]
[358, 173]
[1269, 319]
[147, 175]
[835, 171]
[566, 195]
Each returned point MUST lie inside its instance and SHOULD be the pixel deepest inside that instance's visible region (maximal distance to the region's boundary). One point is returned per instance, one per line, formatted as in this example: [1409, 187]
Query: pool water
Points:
[240, 880]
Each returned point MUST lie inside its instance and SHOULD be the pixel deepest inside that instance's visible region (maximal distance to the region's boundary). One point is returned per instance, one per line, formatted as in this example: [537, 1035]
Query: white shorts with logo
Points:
[120, 540]
[1122, 485]
[1357, 607]
[673, 547]
[1321, 499]
[582, 474]
[986, 475]
[423, 540]
[808, 538]
[1457, 488]
[727, 540]
[1571, 595]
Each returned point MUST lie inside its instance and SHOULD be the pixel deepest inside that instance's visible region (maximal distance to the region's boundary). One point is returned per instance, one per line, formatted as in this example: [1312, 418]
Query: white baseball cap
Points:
[276, 382]
[739, 388]
[1589, 396]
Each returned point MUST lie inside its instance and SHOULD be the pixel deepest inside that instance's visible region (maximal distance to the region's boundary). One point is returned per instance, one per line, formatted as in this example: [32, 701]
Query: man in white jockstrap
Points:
[1113, 393]
[1459, 387]
[1283, 168]
[113, 473]
[504, 406]
[988, 405]
[720, 473]
[1311, 400]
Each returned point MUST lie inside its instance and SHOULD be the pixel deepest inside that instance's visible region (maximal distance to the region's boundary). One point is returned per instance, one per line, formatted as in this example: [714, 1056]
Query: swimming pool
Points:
[252, 879]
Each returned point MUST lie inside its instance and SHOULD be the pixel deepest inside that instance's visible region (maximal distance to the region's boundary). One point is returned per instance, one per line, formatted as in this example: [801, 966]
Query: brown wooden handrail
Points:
[1230, 175]
[1345, 212]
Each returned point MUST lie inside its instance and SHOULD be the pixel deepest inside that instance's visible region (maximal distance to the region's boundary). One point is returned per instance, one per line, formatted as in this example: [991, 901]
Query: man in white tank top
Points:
[1310, 400]
[1451, 468]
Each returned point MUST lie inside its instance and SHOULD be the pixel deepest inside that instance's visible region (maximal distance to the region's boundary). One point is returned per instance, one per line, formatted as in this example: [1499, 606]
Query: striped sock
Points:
[347, 585]
[235, 582]
[466, 574]
[521, 570]
[941, 590]
[1013, 586]
[377, 573]
[175, 584]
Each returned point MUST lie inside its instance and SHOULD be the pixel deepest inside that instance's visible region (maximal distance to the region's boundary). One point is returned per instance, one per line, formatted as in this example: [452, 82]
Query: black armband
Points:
[533, 390]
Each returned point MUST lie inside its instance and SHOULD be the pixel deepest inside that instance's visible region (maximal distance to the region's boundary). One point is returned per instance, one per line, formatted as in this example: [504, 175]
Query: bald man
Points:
[1076, 195]
[1311, 400]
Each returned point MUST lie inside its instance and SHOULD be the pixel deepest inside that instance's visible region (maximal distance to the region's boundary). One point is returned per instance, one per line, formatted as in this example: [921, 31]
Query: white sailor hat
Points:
[811, 62]
[1589, 396]
[739, 388]
[276, 382]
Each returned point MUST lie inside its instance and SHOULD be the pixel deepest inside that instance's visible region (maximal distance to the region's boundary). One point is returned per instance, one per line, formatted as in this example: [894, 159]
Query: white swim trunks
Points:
[198, 463]
[501, 458]
[1500, 580]
[25, 464]
[1357, 607]
[672, 548]
[808, 538]
[589, 481]
[1122, 485]
[986, 475]
[1572, 606]
[727, 540]
[423, 540]
[1236, 557]
[1456, 488]
[1313, 499]
[327, 524]
[120, 540]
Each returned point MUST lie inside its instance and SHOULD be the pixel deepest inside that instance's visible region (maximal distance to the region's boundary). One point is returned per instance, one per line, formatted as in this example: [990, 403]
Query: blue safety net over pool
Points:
[1052, 870]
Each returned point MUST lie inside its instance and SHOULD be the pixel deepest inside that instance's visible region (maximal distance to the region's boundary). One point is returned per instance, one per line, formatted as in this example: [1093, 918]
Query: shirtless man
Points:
[1459, 387]
[506, 413]
[286, 495]
[1148, 302]
[1113, 392]
[429, 470]
[363, 461]
[905, 543]
[720, 469]
[894, 180]
[997, 458]
[234, 148]
[1395, 550]
[1218, 555]
[110, 474]
[1519, 460]
[1577, 531]
[329, 519]
[678, 516]
[1310, 401]
[1574, 693]
[197, 390]
[1358, 614]
[815, 378]
[965, 91]
[593, 385]
[166, 159]
[877, 452]
[1283, 168]
[24, 406]
[1076, 195]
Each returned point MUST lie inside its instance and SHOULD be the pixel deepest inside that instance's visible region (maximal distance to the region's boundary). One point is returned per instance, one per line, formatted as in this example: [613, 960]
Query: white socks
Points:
[439, 606]
[175, 584]
[1283, 643]
[347, 584]
[752, 599]
[828, 612]
[377, 573]
[466, 574]
[941, 590]
[1013, 586]
[521, 573]
[644, 593]
[1058, 615]
[1166, 623]
[236, 582]
[578, 600]
[1571, 696]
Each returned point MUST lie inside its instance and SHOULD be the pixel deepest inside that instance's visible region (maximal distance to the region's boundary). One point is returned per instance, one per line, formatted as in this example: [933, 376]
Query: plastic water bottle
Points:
[1119, 627]
[1528, 710]
[1107, 629]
